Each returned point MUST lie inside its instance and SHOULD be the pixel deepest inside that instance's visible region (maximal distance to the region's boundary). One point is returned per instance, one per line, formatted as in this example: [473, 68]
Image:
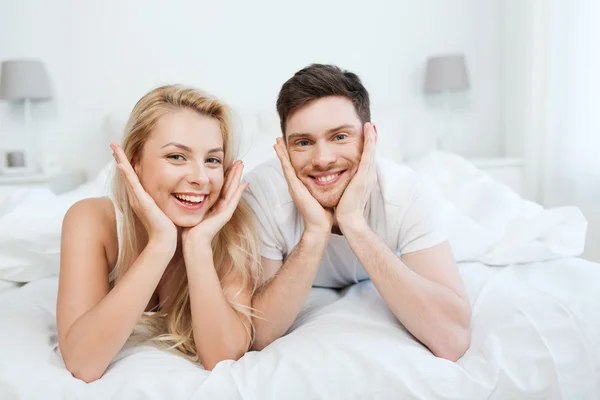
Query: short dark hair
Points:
[317, 81]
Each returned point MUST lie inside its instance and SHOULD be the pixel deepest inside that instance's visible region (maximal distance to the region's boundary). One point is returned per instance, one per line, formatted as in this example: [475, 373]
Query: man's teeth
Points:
[327, 178]
[191, 199]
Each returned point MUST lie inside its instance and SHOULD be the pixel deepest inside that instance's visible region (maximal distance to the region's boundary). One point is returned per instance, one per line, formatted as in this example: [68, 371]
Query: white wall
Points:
[523, 86]
[102, 56]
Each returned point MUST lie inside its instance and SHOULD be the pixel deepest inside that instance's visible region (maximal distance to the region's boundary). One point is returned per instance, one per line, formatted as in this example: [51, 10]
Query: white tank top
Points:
[119, 221]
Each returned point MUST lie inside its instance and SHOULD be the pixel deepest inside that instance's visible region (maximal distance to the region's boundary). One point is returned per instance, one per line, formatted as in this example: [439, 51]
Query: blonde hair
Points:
[235, 247]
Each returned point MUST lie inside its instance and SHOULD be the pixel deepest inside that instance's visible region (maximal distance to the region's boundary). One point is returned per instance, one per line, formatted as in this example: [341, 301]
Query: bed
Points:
[536, 315]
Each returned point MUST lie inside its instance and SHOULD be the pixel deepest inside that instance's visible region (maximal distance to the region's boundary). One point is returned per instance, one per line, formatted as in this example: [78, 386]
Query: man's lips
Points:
[327, 178]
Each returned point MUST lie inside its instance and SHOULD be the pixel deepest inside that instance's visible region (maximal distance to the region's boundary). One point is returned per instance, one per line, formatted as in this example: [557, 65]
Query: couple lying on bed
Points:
[187, 256]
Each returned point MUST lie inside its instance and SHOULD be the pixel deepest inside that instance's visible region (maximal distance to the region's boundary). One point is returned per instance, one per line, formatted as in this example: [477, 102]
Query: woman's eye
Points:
[213, 160]
[176, 157]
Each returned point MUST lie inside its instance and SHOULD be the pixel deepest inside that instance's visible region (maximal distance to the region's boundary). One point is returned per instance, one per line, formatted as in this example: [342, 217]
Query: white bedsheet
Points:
[536, 335]
[6, 286]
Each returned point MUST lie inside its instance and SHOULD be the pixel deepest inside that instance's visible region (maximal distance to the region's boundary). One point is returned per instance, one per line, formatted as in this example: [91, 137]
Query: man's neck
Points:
[336, 230]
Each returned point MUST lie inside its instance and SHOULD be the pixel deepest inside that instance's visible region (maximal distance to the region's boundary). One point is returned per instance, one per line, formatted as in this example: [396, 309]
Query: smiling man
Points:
[331, 215]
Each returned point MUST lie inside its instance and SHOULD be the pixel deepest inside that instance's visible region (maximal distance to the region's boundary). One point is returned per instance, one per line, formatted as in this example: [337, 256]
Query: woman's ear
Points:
[136, 166]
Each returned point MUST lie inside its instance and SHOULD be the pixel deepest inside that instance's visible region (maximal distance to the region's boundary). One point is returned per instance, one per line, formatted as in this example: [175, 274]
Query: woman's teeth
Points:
[191, 199]
[327, 178]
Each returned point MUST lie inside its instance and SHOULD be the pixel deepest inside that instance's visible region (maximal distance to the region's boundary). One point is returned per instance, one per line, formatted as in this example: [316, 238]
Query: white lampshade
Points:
[447, 73]
[24, 80]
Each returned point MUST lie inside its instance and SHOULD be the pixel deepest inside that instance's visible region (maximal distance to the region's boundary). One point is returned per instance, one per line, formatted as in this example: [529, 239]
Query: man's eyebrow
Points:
[339, 128]
[297, 135]
[329, 131]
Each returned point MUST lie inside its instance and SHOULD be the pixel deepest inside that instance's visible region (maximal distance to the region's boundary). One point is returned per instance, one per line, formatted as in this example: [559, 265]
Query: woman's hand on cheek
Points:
[220, 213]
[159, 227]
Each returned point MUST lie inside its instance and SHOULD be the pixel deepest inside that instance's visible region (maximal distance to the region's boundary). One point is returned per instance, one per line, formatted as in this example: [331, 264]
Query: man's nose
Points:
[323, 156]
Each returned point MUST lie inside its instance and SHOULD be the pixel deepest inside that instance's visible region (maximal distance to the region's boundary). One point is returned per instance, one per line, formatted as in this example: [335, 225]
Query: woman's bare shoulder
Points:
[94, 209]
[96, 218]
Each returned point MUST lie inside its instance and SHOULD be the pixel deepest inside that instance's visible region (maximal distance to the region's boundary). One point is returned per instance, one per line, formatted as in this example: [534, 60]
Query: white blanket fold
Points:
[490, 223]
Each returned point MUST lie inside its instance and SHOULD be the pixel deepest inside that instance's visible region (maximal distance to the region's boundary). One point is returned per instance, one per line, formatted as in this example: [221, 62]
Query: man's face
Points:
[325, 141]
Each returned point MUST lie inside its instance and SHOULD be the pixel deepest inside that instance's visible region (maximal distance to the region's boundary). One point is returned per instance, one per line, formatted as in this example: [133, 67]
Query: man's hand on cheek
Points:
[352, 205]
[316, 218]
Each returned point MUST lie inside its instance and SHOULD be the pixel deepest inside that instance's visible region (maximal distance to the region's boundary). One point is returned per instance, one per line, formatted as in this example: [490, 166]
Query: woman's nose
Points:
[197, 175]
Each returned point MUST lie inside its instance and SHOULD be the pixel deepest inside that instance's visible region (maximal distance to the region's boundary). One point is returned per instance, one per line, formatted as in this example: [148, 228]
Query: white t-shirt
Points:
[404, 210]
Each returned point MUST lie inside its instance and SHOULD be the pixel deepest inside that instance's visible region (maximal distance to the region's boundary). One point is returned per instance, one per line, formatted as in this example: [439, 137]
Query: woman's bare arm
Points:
[93, 322]
[220, 333]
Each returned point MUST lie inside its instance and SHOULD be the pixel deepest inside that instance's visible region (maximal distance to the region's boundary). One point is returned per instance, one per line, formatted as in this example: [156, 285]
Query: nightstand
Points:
[59, 182]
[509, 171]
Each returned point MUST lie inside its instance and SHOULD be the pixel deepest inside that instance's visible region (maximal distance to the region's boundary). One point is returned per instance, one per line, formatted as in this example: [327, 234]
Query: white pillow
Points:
[30, 228]
[390, 143]
[114, 126]
[31, 224]
[260, 136]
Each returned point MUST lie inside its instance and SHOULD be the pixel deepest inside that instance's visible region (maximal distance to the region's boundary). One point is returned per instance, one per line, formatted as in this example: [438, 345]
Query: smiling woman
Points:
[174, 237]
[179, 171]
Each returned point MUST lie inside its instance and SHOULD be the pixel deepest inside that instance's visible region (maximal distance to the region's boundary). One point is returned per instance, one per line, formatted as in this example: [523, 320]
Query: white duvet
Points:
[536, 335]
[536, 316]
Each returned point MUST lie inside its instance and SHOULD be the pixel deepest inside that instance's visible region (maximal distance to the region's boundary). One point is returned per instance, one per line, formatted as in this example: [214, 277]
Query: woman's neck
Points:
[142, 235]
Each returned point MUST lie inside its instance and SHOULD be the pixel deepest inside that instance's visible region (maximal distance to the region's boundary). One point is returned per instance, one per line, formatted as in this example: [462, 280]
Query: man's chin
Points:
[328, 203]
[327, 200]
[328, 197]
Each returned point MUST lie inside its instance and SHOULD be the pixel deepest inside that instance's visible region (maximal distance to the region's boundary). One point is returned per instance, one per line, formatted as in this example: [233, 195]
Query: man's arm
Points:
[279, 300]
[423, 289]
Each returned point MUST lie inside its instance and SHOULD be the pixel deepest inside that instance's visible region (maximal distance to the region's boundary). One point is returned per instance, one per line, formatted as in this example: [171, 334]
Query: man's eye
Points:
[213, 160]
[176, 157]
[341, 136]
[302, 143]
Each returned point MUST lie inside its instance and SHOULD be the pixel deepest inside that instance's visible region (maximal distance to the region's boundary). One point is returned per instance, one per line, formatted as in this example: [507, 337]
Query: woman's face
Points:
[181, 166]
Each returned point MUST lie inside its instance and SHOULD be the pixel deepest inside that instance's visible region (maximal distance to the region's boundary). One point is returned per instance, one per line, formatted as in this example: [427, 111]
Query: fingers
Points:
[237, 195]
[230, 178]
[370, 168]
[132, 183]
[368, 155]
[234, 177]
[373, 145]
[284, 159]
[229, 205]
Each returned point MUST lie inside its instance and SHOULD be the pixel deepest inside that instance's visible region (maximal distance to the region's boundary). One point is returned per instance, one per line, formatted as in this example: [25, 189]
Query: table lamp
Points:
[24, 81]
[444, 75]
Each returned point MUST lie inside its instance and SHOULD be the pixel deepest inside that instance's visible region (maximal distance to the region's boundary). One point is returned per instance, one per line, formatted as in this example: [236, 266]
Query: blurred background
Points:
[507, 84]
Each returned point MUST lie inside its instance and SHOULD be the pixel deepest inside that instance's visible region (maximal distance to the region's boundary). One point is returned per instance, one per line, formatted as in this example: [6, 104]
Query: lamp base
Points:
[17, 162]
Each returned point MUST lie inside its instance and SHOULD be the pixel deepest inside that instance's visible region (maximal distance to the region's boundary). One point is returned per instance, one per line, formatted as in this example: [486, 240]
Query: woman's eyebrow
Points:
[178, 145]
